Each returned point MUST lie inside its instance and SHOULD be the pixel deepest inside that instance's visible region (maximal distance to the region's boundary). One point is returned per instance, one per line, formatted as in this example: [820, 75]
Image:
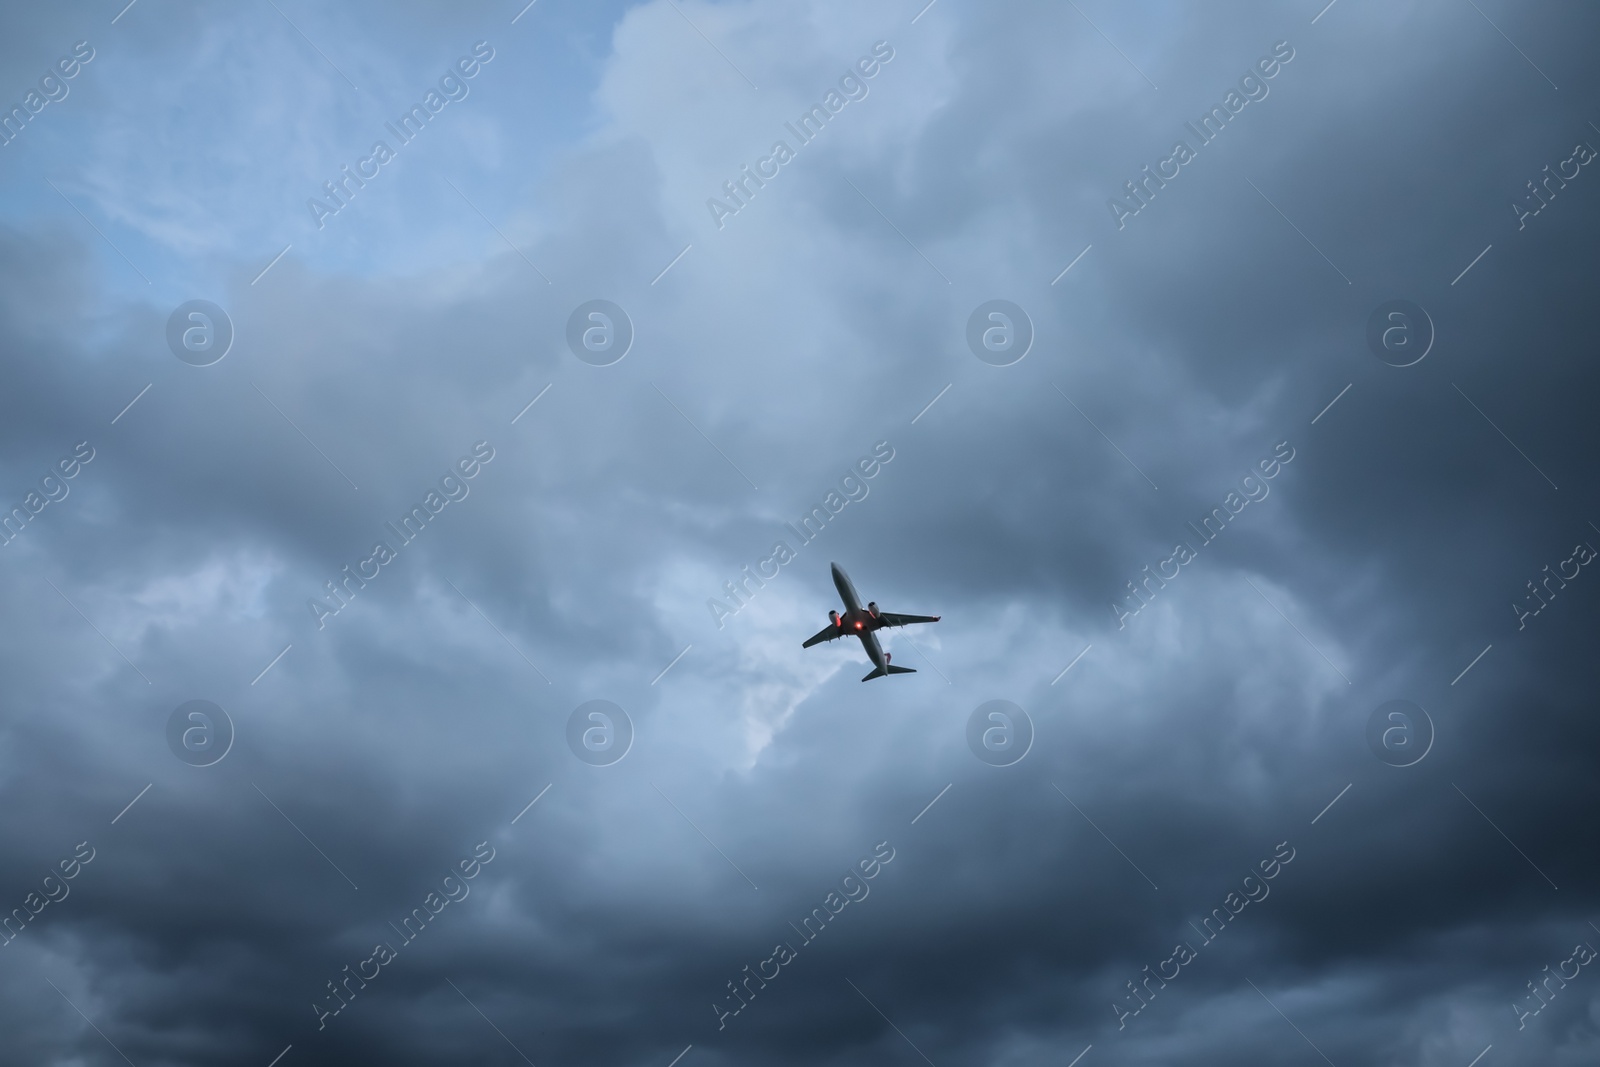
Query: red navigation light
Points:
[858, 624]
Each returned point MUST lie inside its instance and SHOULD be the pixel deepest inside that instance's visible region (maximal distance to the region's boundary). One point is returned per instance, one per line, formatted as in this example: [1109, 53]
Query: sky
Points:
[407, 417]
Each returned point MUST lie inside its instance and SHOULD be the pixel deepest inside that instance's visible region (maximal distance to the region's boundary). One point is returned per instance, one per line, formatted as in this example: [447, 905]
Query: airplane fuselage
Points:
[857, 619]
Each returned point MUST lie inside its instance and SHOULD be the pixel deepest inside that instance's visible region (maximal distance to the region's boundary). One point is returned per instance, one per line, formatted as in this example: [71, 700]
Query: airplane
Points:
[863, 622]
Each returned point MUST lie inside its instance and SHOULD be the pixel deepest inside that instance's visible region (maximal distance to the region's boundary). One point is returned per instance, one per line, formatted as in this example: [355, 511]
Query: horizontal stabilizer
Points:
[891, 669]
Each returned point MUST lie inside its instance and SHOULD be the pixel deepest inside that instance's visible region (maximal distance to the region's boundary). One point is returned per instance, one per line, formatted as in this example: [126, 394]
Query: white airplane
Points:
[862, 622]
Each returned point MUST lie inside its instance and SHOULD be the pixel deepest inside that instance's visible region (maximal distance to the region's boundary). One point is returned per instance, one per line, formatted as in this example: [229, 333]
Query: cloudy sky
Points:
[1350, 322]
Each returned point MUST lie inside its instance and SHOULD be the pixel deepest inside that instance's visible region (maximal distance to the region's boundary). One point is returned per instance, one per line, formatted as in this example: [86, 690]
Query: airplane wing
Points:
[827, 633]
[891, 619]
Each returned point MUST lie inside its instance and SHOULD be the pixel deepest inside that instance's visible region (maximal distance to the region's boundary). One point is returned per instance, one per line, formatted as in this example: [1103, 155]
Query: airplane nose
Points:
[841, 582]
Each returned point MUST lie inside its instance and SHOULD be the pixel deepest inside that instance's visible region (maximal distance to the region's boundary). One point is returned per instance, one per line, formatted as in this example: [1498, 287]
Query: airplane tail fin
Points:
[891, 669]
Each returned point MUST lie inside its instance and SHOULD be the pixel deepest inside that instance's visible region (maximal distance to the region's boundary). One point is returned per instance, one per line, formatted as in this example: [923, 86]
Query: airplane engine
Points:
[833, 617]
[872, 608]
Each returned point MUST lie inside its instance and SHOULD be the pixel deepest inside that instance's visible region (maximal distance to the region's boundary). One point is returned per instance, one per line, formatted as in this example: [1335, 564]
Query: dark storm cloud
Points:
[1205, 735]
